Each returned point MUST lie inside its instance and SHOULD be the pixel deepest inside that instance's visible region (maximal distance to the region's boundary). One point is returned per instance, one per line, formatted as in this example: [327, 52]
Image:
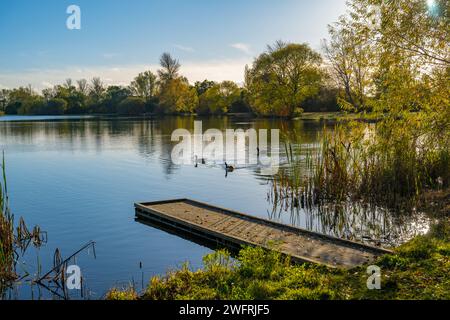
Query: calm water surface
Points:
[78, 178]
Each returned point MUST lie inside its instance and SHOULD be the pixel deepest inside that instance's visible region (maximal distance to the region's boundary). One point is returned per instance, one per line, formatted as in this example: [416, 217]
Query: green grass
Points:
[417, 270]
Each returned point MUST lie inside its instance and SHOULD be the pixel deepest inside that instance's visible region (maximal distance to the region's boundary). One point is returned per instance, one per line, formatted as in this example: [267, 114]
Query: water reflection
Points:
[356, 221]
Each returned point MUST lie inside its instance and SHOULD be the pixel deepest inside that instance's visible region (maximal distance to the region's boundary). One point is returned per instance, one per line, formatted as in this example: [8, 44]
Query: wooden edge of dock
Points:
[144, 207]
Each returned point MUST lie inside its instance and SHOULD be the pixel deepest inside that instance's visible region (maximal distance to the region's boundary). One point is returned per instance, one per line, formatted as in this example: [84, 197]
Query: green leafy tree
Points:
[282, 78]
[33, 106]
[408, 42]
[113, 98]
[18, 99]
[144, 86]
[56, 106]
[68, 92]
[219, 98]
[203, 86]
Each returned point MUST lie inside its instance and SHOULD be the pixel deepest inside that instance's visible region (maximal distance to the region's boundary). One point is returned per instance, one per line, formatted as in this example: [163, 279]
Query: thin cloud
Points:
[246, 48]
[110, 55]
[184, 48]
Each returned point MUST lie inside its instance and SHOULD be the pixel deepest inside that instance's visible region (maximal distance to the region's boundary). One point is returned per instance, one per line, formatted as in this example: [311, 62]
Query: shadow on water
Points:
[189, 236]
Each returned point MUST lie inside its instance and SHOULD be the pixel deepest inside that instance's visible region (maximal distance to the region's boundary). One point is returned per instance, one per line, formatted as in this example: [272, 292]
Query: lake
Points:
[79, 177]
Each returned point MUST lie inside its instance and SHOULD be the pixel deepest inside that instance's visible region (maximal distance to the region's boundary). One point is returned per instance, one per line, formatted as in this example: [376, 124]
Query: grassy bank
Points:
[336, 116]
[416, 270]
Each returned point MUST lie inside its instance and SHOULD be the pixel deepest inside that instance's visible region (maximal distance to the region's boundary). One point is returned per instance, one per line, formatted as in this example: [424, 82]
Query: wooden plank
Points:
[236, 229]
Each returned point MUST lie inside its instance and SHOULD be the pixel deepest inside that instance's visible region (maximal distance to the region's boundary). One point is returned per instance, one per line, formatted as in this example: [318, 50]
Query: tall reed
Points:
[13, 240]
[7, 254]
[357, 162]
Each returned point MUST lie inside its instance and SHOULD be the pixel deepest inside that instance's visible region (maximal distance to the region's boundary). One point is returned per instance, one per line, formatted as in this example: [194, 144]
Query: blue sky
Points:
[119, 38]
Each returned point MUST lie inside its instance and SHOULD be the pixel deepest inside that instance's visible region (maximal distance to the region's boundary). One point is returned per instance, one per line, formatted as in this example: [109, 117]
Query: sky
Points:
[119, 38]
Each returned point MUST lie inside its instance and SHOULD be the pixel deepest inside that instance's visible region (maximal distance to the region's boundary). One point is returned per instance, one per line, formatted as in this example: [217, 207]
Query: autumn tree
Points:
[177, 96]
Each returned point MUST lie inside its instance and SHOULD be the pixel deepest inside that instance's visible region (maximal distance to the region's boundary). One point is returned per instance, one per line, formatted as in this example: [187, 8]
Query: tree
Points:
[170, 68]
[351, 61]
[48, 93]
[178, 97]
[83, 86]
[113, 98]
[75, 100]
[418, 28]
[409, 43]
[409, 86]
[282, 78]
[131, 106]
[17, 98]
[203, 86]
[56, 106]
[324, 101]
[69, 84]
[219, 98]
[34, 105]
[96, 94]
[97, 89]
[4, 97]
[144, 86]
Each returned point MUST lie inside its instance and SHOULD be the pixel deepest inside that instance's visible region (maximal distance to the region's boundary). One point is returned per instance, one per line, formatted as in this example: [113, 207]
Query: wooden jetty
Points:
[234, 229]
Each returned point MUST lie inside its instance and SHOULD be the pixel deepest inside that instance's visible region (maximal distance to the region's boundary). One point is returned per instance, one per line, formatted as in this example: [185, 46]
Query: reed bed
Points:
[7, 253]
[358, 162]
[13, 239]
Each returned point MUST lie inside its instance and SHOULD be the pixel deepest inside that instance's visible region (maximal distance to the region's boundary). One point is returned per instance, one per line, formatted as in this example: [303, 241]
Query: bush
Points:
[127, 294]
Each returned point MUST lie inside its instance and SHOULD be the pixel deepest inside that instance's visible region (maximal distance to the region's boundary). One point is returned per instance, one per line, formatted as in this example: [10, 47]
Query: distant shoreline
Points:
[81, 117]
